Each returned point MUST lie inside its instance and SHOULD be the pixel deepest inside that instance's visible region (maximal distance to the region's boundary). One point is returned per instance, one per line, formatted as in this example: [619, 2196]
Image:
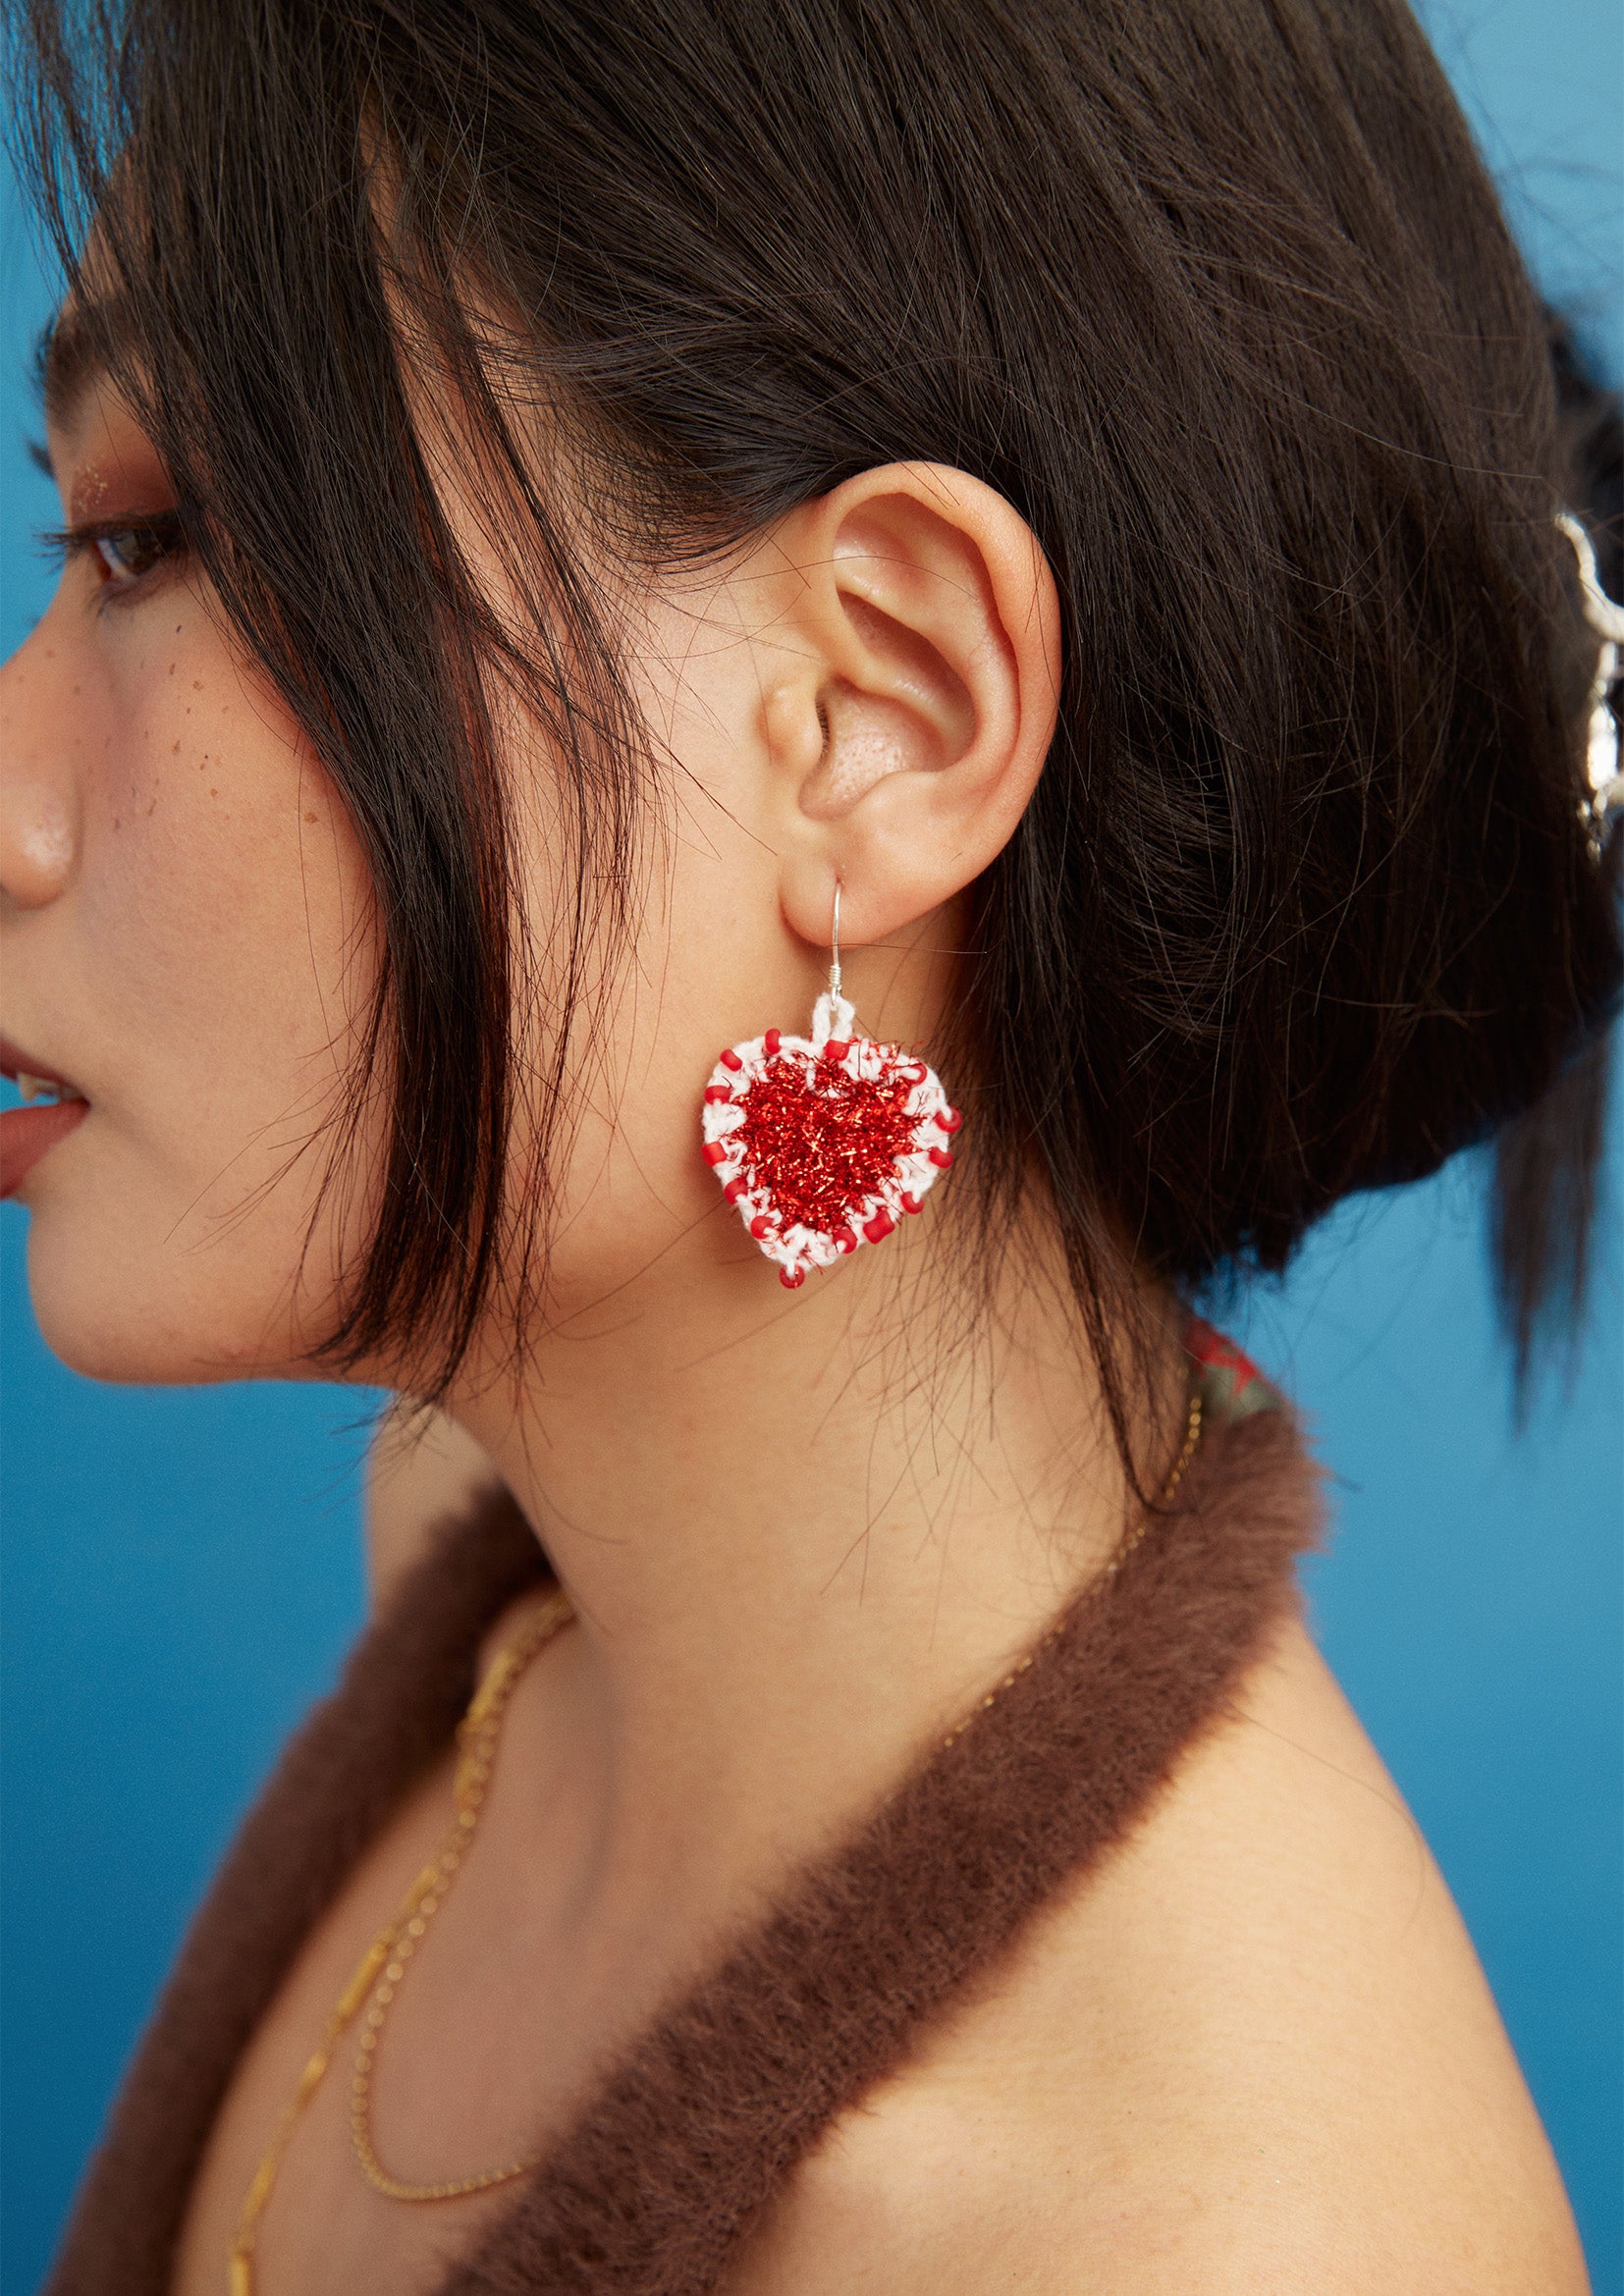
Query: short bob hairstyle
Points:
[1217, 292]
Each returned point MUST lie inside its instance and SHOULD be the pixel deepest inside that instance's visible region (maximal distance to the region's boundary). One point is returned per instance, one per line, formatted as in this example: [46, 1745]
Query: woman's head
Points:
[527, 380]
[861, 694]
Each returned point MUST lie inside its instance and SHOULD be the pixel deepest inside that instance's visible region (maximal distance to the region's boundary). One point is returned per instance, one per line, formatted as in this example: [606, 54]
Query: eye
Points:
[125, 553]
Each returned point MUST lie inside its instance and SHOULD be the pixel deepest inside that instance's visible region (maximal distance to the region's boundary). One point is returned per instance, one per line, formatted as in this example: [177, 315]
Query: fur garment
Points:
[673, 2161]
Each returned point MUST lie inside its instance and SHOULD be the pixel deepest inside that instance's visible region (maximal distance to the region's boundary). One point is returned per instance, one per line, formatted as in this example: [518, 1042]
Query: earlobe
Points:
[931, 633]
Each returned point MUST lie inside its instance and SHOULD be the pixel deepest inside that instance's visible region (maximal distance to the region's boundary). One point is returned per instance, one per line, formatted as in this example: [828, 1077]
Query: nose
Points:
[38, 797]
[38, 847]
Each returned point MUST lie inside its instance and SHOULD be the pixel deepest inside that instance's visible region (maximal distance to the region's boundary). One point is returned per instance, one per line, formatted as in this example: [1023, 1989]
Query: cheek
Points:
[220, 945]
[220, 882]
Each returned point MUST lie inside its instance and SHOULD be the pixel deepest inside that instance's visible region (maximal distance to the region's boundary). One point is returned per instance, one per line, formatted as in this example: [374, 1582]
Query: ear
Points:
[910, 720]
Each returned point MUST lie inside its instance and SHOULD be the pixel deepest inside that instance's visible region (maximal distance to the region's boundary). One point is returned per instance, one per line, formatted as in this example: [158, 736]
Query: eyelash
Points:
[161, 535]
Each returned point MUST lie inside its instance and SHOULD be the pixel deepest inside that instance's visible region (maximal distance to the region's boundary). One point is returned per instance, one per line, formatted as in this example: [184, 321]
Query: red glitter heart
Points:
[823, 1144]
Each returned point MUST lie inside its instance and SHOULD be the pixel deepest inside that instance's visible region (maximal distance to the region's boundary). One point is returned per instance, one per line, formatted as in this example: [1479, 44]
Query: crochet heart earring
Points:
[821, 1143]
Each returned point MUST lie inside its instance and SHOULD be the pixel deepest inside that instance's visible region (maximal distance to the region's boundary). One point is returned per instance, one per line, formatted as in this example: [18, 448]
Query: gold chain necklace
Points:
[381, 1969]
[1130, 1539]
[384, 1963]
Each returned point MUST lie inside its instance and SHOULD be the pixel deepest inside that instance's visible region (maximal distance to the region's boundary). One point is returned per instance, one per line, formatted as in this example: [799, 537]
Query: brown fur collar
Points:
[674, 2161]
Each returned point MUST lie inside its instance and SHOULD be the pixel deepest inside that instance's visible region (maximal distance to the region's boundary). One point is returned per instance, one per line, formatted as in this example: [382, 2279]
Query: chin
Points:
[102, 1329]
[108, 1314]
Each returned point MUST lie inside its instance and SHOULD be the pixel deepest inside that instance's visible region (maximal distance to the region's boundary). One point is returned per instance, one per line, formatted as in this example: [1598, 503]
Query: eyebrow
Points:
[70, 355]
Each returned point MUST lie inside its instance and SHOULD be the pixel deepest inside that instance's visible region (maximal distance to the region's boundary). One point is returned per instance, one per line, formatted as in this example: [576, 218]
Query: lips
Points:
[55, 1108]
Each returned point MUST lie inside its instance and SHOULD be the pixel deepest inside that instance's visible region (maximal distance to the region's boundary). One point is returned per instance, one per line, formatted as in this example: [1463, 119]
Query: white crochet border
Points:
[798, 1249]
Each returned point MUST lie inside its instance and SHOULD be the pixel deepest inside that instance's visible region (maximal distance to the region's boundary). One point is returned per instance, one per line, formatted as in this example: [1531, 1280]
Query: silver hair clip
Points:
[1606, 801]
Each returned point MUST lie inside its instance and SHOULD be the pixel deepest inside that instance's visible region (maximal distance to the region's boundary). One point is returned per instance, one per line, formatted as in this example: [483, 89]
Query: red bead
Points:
[941, 1158]
[791, 1278]
[731, 1059]
[774, 1039]
[716, 1093]
[735, 1188]
[836, 1048]
[716, 1152]
[911, 1204]
[761, 1226]
[880, 1227]
[949, 1119]
[844, 1240]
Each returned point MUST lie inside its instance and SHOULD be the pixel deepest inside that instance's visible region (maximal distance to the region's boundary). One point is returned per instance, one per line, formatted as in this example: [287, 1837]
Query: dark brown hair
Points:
[1215, 292]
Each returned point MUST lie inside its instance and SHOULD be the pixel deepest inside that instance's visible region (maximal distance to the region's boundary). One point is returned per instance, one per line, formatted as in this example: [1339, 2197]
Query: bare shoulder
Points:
[1255, 2052]
[422, 1467]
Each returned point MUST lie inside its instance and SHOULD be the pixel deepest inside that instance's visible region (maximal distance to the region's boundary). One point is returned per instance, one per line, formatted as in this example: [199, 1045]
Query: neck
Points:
[801, 1538]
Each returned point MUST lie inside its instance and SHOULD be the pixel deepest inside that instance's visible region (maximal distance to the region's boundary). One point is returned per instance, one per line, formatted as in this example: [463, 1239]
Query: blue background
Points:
[182, 1569]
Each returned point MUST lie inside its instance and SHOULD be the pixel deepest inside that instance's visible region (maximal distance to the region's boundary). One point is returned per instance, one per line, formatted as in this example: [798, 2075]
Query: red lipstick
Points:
[26, 1133]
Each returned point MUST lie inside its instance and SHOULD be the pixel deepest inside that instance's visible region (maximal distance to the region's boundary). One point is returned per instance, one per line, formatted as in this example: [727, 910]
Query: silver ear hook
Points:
[831, 1016]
